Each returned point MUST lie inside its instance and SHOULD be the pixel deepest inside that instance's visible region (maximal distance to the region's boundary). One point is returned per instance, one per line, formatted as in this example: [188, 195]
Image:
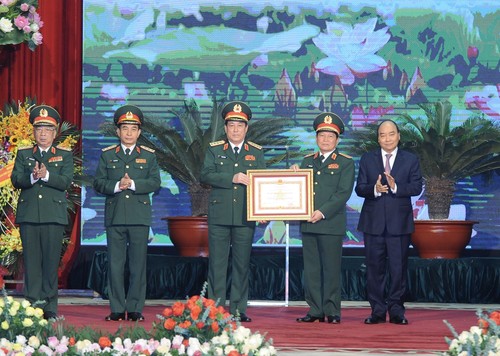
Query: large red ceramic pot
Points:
[441, 238]
[189, 234]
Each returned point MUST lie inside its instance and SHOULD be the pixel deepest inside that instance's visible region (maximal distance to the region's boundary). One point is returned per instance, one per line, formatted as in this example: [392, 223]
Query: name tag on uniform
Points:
[223, 157]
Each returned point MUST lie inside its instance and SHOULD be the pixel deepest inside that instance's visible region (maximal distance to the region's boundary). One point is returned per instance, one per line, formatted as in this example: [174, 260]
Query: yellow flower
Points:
[43, 322]
[38, 313]
[30, 311]
[27, 322]
[5, 325]
[25, 304]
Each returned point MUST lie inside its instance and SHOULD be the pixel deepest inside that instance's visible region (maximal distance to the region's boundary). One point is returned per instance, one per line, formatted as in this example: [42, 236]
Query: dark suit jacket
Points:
[127, 207]
[391, 211]
[43, 202]
[333, 181]
[228, 201]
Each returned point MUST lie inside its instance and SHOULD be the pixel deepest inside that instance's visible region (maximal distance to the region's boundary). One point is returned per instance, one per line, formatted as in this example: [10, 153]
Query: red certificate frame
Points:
[280, 194]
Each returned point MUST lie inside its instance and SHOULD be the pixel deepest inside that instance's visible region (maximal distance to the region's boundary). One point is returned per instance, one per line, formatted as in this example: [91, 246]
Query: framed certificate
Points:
[279, 194]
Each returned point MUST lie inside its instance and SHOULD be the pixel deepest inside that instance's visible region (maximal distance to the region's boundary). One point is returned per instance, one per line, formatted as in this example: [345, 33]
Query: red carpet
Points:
[425, 332]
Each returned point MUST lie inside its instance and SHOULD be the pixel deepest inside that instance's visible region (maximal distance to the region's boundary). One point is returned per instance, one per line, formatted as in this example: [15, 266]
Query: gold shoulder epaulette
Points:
[346, 156]
[149, 149]
[24, 147]
[108, 148]
[64, 148]
[217, 143]
[309, 155]
[255, 145]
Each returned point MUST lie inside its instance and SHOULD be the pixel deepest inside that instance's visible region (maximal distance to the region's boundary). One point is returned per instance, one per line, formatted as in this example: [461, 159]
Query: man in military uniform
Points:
[126, 175]
[43, 173]
[224, 168]
[323, 233]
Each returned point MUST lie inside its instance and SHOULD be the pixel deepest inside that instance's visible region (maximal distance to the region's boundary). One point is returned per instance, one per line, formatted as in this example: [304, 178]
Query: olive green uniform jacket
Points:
[227, 220]
[42, 214]
[127, 219]
[322, 241]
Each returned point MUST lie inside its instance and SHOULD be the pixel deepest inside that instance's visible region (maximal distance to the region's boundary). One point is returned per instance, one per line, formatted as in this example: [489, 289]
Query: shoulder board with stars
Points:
[149, 149]
[64, 148]
[255, 145]
[346, 156]
[109, 148]
[25, 147]
[217, 143]
[309, 155]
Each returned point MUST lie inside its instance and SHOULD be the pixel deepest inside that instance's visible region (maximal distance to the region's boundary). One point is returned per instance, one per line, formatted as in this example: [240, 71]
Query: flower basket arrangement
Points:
[480, 339]
[20, 22]
[16, 131]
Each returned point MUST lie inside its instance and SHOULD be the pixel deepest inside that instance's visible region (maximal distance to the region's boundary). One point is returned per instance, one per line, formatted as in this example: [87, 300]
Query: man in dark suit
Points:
[323, 233]
[127, 174]
[387, 179]
[224, 168]
[43, 173]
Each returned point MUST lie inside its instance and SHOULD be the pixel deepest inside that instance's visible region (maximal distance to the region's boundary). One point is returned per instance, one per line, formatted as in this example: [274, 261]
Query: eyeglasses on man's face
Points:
[39, 129]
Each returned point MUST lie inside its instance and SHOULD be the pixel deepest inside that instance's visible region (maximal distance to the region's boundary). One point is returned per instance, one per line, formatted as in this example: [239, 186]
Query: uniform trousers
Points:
[222, 239]
[127, 243]
[42, 246]
[322, 273]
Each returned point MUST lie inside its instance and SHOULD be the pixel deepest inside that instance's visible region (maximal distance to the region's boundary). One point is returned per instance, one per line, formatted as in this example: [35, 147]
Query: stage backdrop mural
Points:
[364, 60]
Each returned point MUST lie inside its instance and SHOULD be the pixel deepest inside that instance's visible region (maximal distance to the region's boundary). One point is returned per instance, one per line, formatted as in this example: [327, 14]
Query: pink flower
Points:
[7, 2]
[472, 52]
[24, 7]
[21, 22]
[37, 38]
[359, 118]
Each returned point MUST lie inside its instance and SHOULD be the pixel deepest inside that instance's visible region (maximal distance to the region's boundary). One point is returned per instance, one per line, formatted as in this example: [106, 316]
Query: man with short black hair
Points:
[387, 179]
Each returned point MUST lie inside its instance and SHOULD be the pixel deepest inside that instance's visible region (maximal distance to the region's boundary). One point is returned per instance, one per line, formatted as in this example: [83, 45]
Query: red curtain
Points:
[52, 73]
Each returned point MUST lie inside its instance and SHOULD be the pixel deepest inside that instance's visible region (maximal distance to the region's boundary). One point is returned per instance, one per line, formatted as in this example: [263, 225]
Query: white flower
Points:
[34, 342]
[351, 50]
[25, 304]
[6, 25]
[229, 348]
[241, 334]
[20, 339]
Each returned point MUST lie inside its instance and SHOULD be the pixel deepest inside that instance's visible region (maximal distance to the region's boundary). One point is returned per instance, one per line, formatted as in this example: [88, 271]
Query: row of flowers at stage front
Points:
[197, 327]
[482, 339]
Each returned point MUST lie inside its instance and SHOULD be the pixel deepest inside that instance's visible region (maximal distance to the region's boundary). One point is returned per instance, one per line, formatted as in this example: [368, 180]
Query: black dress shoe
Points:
[400, 320]
[333, 319]
[311, 319]
[244, 318]
[115, 317]
[373, 319]
[134, 316]
[49, 315]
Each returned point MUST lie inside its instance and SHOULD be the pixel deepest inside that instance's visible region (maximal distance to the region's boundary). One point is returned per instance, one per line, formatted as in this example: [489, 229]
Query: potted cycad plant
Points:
[181, 154]
[447, 154]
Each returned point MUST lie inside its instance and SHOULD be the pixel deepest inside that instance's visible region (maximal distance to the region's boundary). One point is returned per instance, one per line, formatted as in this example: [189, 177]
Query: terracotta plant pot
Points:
[441, 238]
[189, 234]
